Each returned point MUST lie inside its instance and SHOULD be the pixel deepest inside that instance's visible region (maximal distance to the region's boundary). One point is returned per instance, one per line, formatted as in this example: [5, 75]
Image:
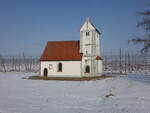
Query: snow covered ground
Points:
[17, 95]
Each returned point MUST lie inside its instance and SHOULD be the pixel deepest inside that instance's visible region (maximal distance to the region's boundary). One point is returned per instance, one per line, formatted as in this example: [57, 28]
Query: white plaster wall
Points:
[98, 51]
[69, 68]
[87, 61]
[100, 67]
[87, 50]
[86, 40]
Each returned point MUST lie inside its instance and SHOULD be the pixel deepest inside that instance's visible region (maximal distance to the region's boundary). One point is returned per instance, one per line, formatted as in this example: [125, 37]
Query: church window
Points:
[87, 33]
[59, 67]
[86, 52]
[50, 66]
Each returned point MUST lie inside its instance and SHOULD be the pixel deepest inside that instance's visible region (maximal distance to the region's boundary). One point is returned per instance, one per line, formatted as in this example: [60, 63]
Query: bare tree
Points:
[145, 23]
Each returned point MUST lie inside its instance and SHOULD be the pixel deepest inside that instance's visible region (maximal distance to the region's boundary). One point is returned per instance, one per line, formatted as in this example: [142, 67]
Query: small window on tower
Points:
[87, 33]
[86, 52]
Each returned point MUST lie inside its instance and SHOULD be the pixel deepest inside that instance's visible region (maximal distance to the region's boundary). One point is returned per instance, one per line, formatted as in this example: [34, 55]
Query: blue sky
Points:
[26, 25]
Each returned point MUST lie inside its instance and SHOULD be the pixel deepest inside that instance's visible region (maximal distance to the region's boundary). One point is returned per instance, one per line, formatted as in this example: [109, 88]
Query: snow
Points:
[17, 95]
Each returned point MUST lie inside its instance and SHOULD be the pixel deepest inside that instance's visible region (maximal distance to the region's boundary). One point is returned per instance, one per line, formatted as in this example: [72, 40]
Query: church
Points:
[74, 58]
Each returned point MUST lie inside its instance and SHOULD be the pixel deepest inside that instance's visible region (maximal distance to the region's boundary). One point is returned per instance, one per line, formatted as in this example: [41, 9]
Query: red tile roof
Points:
[98, 58]
[62, 51]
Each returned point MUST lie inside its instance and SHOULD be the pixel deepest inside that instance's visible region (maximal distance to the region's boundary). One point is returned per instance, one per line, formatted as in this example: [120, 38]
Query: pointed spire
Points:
[87, 19]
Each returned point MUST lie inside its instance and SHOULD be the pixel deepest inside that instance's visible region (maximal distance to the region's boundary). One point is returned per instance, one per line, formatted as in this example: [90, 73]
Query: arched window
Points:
[87, 69]
[59, 67]
[45, 72]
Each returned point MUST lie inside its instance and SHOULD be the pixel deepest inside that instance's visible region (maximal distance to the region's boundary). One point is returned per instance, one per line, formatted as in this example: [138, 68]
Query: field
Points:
[122, 94]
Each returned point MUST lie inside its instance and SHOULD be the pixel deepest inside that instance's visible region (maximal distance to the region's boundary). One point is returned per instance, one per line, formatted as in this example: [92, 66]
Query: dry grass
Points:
[68, 78]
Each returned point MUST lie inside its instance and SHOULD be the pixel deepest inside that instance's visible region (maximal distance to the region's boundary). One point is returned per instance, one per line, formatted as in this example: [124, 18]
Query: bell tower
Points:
[90, 47]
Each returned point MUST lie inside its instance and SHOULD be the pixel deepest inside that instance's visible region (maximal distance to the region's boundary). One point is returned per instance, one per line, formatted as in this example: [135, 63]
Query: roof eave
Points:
[58, 60]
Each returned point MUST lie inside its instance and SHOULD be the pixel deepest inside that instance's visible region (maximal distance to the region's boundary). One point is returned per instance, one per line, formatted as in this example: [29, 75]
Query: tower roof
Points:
[88, 25]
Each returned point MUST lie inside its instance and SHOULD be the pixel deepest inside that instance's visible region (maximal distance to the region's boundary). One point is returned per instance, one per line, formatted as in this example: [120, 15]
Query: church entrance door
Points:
[45, 72]
[87, 69]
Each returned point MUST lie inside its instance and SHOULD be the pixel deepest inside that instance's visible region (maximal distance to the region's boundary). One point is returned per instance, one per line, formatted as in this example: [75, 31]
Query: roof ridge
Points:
[66, 41]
